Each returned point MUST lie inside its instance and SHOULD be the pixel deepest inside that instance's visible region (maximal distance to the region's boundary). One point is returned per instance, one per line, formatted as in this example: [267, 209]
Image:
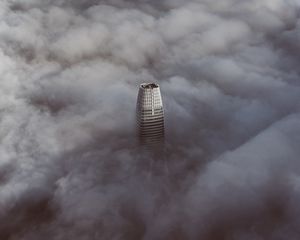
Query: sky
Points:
[229, 75]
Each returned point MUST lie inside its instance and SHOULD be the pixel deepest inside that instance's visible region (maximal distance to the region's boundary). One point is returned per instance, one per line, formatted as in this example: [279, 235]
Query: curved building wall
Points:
[150, 114]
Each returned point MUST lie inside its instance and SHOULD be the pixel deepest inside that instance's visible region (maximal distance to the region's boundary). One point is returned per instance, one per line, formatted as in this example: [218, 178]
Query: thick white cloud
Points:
[229, 75]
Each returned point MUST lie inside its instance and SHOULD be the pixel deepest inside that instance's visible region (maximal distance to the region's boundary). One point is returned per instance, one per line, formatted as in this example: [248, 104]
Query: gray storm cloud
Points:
[229, 75]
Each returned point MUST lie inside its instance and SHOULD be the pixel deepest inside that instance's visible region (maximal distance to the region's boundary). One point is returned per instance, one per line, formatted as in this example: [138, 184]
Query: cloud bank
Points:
[229, 75]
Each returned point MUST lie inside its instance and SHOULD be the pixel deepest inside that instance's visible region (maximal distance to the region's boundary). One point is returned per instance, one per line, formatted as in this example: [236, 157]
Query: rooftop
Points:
[149, 85]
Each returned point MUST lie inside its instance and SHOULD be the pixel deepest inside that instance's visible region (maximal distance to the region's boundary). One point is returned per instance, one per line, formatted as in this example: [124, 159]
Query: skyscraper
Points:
[150, 115]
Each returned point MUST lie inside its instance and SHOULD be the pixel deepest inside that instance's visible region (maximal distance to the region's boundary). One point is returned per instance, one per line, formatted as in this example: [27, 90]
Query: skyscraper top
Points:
[150, 115]
[149, 85]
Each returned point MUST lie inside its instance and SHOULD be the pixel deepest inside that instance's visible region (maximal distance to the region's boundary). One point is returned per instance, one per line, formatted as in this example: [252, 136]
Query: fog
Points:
[70, 166]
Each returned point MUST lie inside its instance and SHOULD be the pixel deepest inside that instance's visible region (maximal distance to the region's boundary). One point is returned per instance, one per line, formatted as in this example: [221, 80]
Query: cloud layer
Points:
[229, 75]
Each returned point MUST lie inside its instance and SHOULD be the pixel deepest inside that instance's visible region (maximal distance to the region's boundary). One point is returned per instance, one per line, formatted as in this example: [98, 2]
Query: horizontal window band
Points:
[150, 116]
[150, 110]
[145, 132]
[148, 135]
[151, 137]
[158, 125]
[157, 128]
[143, 104]
[145, 98]
[145, 126]
[154, 128]
[150, 128]
[150, 95]
[150, 113]
[158, 100]
[151, 122]
[149, 98]
[151, 131]
[146, 109]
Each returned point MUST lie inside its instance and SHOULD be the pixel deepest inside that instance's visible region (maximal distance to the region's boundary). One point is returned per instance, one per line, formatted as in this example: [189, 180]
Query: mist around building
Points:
[80, 110]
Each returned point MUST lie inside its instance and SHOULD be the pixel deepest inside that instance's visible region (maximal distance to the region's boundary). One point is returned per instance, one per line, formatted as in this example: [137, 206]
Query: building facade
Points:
[150, 115]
